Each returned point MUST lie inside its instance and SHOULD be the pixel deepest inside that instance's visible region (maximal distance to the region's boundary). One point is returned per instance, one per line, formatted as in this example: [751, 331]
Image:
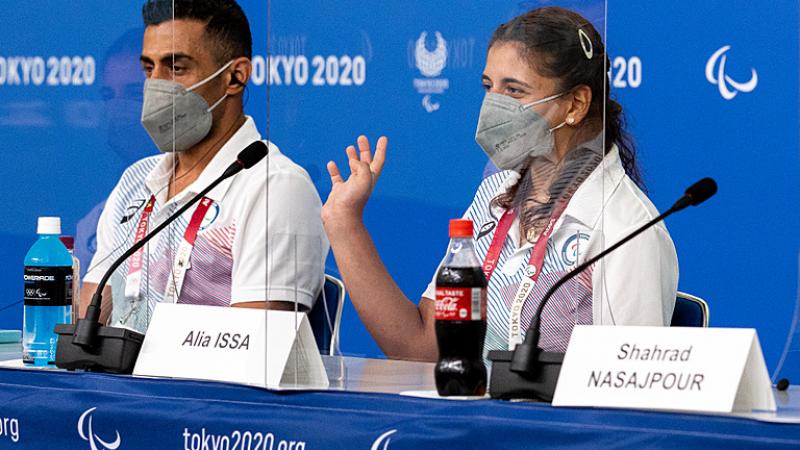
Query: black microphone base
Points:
[115, 350]
[541, 385]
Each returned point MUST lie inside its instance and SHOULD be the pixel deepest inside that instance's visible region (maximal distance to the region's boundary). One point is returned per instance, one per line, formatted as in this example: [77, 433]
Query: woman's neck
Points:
[535, 192]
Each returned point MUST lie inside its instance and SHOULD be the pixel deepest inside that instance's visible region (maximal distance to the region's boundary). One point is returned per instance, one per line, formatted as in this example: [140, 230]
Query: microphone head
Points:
[701, 191]
[252, 154]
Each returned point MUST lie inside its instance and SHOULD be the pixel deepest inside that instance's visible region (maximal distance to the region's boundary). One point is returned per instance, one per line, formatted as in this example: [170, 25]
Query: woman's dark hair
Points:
[550, 40]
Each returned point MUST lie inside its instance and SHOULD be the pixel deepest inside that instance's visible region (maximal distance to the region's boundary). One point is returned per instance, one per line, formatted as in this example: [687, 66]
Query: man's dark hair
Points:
[226, 23]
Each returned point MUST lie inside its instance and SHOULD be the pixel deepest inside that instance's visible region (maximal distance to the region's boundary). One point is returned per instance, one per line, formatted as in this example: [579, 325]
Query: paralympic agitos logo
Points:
[86, 432]
[716, 74]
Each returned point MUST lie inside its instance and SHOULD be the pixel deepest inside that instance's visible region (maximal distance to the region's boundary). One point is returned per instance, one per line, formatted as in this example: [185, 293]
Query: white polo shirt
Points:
[635, 285]
[261, 239]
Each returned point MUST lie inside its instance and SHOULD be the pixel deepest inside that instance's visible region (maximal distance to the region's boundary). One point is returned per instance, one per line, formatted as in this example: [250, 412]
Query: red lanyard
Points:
[190, 235]
[532, 271]
[539, 249]
[134, 279]
[141, 231]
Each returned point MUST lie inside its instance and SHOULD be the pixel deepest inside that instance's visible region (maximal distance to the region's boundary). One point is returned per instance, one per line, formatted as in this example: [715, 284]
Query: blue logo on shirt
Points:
[573, 247]
[211, 216]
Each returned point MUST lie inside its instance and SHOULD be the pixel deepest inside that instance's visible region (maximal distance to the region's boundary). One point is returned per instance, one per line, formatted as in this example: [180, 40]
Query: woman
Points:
[566, 190]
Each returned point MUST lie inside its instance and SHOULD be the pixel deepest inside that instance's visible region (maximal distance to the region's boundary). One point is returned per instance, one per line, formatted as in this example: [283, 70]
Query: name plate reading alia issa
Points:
[274, 349]
[683, 369]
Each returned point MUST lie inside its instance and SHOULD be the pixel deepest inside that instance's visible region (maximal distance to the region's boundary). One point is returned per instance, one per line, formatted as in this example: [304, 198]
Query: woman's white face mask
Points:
[510, 132]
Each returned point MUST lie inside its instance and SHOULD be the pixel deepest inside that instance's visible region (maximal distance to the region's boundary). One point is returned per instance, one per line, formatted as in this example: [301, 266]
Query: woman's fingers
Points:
[380, 156]
[360, 160]
[355, 167]
[333, 170]
[351, 152]
[363, 147]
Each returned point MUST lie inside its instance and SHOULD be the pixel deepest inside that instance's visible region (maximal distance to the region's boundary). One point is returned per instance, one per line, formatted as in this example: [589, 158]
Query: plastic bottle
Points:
[460, 316]
[48, 293]
[69, 242]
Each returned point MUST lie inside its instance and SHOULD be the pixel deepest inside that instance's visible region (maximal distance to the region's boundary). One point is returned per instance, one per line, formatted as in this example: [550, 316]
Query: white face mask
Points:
[510, 132]
[175, 117]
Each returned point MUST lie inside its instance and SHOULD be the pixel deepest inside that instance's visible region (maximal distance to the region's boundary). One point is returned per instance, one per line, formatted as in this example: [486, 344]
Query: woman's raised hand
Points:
[348, 197]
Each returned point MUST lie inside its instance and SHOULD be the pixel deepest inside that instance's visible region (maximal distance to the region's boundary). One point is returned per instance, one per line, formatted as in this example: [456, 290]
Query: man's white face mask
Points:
[176, 117]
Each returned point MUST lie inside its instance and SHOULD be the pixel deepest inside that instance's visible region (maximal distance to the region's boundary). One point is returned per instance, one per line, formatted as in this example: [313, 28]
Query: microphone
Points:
[696, 194]
[528, 372]
[98, 348]
[246, 159]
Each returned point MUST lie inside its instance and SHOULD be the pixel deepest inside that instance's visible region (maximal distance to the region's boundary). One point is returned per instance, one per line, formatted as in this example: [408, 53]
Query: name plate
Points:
[683, 369]
[274, 349]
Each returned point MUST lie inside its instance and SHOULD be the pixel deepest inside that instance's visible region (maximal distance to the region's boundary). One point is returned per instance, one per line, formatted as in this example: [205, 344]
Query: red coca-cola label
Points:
[460, 303]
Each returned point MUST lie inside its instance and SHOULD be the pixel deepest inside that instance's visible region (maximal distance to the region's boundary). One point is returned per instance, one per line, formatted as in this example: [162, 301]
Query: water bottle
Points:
[69, 242]
[48, 293]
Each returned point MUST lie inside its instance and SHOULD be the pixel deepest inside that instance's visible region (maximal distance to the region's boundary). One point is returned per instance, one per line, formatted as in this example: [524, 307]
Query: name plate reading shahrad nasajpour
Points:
[274, 349]
[664, 368]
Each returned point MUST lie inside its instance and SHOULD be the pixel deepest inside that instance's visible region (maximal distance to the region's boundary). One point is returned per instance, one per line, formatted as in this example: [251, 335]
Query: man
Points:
[258, 242]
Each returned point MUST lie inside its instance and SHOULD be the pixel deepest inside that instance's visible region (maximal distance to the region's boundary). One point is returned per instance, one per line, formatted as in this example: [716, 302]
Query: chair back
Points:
[326, 315]
[690, 311]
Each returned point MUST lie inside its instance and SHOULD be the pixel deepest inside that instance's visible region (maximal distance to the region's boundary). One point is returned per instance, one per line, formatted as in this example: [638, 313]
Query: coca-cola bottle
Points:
[460, 316]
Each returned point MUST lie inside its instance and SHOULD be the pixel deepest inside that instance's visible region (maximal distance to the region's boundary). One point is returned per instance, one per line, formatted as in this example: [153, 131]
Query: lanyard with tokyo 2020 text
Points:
[532, 270]
[181, 263]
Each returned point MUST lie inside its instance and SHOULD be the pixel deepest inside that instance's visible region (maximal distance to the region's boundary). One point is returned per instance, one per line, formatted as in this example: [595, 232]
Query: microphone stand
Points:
[528, 372]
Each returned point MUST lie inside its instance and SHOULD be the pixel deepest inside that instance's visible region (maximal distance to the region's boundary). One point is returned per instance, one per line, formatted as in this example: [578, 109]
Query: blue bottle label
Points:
[48, 286]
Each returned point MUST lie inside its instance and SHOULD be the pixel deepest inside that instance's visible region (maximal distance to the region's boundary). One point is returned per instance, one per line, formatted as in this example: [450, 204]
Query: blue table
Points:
[58, 410]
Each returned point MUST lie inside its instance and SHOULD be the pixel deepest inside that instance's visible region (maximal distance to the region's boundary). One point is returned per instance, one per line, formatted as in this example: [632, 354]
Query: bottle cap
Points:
[68, 242]
[460, 228]
[49, 225]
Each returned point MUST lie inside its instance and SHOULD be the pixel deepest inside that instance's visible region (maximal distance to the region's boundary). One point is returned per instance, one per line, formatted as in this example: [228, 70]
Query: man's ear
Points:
[240, 71]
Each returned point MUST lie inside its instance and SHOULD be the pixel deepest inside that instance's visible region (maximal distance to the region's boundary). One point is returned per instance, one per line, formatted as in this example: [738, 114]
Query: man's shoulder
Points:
[285, 182]
[131, 183]
[282, 165]
[281, 168]
[138, 171]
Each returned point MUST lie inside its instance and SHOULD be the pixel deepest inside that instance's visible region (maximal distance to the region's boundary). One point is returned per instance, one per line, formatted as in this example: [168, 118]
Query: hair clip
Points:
[586, 43]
